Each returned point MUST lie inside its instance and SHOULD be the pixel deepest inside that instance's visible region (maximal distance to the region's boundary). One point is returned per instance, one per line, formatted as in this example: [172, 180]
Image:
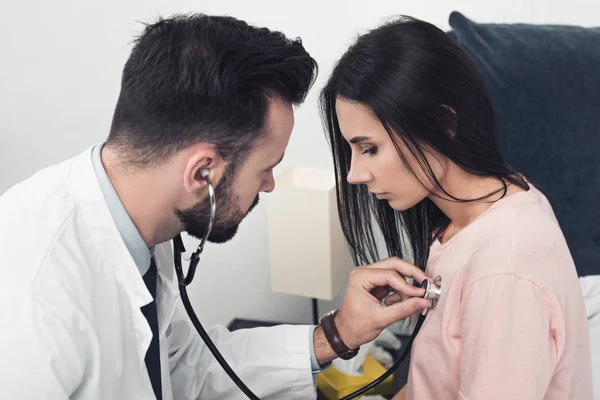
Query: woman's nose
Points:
[358, 176]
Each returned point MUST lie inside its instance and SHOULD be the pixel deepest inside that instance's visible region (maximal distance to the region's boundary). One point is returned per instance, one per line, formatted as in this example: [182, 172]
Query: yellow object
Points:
[335, 384]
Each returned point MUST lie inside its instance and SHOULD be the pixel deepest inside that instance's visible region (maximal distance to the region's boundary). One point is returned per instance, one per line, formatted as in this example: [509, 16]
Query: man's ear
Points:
[202, 157]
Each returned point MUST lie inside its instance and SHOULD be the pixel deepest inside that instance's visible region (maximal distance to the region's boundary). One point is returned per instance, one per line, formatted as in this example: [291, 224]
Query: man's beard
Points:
[228, 215]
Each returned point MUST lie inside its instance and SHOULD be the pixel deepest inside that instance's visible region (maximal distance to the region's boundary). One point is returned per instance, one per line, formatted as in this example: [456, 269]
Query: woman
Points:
[412, 133]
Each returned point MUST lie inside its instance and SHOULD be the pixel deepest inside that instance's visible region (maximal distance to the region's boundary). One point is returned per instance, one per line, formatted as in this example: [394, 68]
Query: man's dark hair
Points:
[194, 78]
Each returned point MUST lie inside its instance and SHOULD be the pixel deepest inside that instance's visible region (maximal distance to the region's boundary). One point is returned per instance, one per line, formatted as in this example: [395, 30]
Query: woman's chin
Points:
[400, 204]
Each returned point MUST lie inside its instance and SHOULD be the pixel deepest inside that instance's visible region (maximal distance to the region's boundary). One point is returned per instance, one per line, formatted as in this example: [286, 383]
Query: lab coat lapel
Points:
[167, 300]
[168, 292]
[111, 251]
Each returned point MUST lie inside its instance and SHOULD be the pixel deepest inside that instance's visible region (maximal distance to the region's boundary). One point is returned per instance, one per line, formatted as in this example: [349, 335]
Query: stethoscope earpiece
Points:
[205, 173]
[178, 242]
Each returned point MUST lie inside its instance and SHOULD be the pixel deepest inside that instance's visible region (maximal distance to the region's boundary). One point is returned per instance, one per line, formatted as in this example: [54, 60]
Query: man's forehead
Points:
[269, 149]
[279, 124]
[280, 119]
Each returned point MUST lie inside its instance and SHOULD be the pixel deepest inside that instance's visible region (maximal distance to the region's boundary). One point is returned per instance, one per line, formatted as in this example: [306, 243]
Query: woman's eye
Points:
[370, 150]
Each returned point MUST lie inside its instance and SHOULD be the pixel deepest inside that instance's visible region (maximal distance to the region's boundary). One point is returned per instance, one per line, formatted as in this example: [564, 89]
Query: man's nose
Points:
[268, 185]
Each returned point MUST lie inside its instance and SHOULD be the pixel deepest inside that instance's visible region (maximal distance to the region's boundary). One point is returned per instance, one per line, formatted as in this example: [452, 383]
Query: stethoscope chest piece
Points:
[433, 291]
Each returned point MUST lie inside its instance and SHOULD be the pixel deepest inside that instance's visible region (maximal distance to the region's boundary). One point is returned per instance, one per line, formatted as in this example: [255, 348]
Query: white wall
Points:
[59, 80]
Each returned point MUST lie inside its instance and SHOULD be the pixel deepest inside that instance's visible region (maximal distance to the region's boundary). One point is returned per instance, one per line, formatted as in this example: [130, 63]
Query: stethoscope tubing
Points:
[184, 281]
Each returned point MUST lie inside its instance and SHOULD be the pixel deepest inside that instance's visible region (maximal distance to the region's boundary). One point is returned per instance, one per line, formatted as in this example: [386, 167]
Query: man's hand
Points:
[362, 317]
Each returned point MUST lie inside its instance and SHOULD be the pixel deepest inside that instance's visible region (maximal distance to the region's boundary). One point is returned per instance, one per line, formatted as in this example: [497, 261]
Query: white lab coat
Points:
[70, 298]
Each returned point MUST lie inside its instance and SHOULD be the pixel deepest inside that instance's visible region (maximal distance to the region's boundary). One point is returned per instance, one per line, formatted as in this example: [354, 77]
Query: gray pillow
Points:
[544, 82]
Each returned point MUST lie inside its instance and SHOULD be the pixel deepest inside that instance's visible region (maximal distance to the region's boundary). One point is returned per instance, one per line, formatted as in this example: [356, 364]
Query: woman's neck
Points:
[464, 186]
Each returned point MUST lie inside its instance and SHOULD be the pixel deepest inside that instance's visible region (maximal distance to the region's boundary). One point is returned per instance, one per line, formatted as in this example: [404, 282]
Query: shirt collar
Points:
[140, 253]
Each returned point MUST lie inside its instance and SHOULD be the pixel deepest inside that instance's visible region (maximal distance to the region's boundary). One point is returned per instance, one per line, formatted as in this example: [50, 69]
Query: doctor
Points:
[86, 311]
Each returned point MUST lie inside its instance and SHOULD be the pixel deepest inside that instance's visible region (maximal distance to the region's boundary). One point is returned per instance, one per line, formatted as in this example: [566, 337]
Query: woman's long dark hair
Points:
[428, 95]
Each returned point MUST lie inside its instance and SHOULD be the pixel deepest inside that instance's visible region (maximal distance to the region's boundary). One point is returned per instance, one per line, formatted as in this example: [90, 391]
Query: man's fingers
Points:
[371, 278]
[380, 292]
[393, 299]
[400, 266]
[401, 310]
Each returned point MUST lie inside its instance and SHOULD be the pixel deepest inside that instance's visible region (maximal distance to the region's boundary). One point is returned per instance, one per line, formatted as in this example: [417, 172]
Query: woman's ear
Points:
[452, 121]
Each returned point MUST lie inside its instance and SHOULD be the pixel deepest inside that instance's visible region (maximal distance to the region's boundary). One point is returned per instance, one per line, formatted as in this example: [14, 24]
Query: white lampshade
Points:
[308, 253]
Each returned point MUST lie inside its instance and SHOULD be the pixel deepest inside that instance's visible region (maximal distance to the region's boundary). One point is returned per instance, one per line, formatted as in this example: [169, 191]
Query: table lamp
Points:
[308, 253]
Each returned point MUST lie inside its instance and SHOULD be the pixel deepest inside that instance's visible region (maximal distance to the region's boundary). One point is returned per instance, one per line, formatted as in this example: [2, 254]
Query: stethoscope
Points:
[432, 293]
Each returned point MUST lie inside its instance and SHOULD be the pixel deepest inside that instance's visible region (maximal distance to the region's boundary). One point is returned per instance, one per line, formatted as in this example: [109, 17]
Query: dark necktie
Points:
[153, 354]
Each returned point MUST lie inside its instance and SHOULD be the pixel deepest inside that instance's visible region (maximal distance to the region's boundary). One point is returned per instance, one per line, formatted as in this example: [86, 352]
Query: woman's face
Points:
[376, 162]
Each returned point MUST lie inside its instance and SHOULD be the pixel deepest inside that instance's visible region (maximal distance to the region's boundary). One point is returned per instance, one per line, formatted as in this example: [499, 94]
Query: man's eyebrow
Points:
[278, 162]
[358, 139]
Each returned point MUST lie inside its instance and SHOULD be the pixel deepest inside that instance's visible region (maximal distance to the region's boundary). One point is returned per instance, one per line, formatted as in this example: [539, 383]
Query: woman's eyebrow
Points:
[358, 139]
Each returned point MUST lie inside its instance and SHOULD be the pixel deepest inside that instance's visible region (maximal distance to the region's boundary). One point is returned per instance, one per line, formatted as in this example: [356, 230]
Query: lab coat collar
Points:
[102, 230]
[131, 236]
